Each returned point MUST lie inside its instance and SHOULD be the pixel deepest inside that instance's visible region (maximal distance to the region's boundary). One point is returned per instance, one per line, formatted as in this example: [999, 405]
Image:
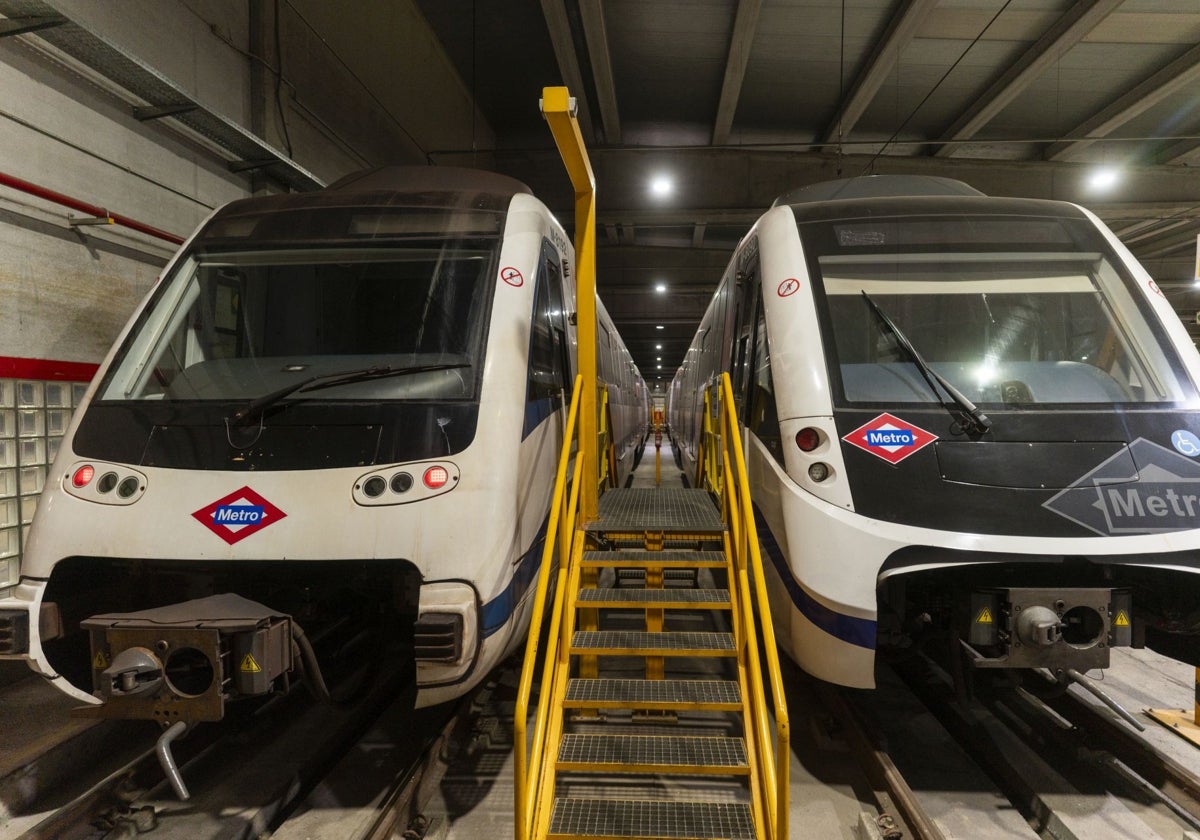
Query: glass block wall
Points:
[33, 419]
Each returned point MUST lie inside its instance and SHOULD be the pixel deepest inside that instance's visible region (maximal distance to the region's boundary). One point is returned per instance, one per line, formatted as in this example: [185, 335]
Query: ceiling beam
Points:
[745, 22]
[1181, 73]
[1066, 32]
[1176, 152]
[555, 13]
[1169, 245]
[698, 235]
[1155, 230]
[595, 33]
[880, 64]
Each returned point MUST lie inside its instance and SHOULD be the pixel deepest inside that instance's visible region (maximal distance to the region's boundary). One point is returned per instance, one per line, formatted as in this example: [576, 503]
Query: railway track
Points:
[245, 775]
[1007, 763]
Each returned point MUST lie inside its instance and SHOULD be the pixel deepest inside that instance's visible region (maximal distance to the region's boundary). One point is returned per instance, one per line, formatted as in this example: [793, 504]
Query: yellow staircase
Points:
[655, 717]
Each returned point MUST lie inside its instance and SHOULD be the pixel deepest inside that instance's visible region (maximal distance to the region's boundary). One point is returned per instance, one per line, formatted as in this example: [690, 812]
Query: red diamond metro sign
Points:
[238, 515]
[890, 438]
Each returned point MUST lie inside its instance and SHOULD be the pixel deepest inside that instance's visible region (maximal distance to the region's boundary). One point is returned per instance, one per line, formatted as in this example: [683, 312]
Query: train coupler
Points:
[1055, 628]
[180, 663]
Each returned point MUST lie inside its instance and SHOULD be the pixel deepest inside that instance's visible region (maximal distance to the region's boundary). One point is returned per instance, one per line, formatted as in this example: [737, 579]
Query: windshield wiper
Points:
[969, 416]
[255, 408]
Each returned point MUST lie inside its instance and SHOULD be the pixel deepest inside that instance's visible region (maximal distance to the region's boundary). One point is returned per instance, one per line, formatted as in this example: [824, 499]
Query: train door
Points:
[747, 314]
[549, 366]
[753, 385]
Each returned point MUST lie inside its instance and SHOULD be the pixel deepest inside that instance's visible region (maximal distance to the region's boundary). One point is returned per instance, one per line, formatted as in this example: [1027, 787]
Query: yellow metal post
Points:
[558, 107]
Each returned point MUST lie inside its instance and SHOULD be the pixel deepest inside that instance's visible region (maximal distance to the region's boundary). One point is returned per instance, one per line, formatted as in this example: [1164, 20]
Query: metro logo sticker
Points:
[238, 515]
[890, 438]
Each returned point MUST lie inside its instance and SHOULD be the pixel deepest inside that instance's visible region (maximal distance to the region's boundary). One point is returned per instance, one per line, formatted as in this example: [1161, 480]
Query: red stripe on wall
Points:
[12, 367]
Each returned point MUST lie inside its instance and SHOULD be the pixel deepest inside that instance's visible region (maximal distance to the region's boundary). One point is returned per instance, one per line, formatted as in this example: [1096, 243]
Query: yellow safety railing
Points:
[561, 533]
[724, 472]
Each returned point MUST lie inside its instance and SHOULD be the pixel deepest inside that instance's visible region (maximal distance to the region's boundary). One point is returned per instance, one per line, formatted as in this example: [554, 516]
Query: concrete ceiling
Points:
[738, 101]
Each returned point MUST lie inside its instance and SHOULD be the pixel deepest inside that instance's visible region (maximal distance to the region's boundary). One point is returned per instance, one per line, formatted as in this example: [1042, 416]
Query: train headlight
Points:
[818, 472]
[129, 484]
[437, 477]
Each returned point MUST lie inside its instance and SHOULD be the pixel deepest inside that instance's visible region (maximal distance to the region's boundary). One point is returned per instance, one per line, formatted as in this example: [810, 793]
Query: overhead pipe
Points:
[83, 207]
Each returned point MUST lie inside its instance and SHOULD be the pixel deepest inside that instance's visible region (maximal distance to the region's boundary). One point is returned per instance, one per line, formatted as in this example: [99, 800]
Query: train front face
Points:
[1045, 513]
[292, 418]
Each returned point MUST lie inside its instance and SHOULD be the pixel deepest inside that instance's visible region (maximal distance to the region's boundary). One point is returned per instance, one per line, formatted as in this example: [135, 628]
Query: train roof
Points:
[387, 186]
[876, 195]
[876, 186]
[329, 214]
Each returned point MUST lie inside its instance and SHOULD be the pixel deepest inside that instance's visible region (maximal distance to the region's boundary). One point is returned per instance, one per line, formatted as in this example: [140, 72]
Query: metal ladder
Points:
[651, 737]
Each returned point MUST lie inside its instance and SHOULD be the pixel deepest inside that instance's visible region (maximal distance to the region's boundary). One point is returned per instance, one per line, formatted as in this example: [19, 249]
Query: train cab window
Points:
[1012, 311]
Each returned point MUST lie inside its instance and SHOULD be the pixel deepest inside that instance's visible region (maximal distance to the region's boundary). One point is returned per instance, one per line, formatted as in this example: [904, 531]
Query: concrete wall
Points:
[348, 99]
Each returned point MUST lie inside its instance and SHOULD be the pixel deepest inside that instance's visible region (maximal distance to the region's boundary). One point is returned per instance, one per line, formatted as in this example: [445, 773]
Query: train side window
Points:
[745, 325]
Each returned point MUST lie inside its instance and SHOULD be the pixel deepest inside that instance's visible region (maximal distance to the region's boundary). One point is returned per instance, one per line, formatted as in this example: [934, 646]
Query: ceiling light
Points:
[661, 288]
[658, 326]
[658, 358]
[1104, 179]
[661, 186]
[657, 346]
[660, 367]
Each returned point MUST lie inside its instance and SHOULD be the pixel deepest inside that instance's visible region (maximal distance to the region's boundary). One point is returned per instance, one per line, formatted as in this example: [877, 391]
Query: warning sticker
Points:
[100, 662]
[511, 276]
[1122, 620]
[249, 664]
[788, 287]
[985, 617]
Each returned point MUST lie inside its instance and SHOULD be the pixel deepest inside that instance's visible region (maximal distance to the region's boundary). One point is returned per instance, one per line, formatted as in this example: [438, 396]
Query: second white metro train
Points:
[968, 418]
[344, 407]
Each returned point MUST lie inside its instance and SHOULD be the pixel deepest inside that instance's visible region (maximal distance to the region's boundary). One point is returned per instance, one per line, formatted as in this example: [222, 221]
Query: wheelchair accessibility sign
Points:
[1186, 443]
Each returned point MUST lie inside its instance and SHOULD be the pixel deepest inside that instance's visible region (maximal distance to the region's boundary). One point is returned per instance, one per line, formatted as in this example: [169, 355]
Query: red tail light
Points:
[808, 439]
[83, 475]
[436, 477]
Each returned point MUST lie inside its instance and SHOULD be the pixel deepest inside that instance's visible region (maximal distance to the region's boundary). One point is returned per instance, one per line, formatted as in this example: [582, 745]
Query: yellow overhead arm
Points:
[558, 107]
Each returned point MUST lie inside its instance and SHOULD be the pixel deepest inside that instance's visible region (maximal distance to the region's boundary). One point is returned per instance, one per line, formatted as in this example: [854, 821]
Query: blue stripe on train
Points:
[496, 612]
[856, 631]
[538, 410]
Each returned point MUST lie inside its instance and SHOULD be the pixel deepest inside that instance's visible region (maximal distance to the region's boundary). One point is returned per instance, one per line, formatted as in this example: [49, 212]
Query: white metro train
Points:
[339, 411]
[968, 418]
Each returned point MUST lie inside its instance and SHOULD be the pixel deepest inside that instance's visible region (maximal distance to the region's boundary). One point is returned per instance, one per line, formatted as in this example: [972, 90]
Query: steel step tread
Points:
[664, 598]
[643, 643]
[682, 755]
[669, 510]
[669, 557]
[650, 819]
[714, 695]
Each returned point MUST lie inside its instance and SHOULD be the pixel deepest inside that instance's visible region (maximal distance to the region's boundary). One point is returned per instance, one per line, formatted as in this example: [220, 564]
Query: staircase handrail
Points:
[729, 479]
[564, 509]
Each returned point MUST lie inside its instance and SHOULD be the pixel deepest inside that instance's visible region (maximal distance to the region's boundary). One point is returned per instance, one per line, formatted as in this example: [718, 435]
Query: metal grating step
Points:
[636, 643]
[651, 819]
[671, 511]
[656, 695]
[639, 559]
[681, 755]
[693, 599]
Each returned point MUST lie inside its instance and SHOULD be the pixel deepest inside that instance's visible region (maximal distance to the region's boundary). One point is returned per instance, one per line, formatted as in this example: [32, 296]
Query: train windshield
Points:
[238, 324]
[1011, 311]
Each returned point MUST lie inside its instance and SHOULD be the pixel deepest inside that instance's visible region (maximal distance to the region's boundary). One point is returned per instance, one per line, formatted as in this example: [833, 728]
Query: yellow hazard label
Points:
[249, 664]
[100, 662]
[1121, 620]
[985, 616]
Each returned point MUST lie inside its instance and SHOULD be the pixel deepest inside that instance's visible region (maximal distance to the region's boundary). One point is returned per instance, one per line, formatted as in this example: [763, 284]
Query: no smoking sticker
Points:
[788, 287]
[511, 276]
